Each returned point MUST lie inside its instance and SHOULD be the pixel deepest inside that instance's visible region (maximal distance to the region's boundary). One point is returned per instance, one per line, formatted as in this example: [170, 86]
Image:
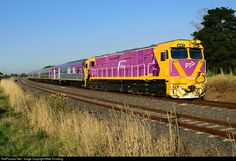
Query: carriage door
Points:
[164, 63]
[147, 58]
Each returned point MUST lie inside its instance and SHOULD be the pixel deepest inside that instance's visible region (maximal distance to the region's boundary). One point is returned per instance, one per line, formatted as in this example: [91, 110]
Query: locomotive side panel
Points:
[130, 71]
[129, 65]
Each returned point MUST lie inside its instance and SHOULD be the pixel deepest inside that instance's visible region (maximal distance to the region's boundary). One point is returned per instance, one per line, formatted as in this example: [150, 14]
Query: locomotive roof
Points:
[118, 52]
[174, 40]
[146, 47]
[150, 46]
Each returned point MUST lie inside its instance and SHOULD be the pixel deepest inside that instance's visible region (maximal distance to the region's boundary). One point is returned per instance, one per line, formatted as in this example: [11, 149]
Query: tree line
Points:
[218, 36]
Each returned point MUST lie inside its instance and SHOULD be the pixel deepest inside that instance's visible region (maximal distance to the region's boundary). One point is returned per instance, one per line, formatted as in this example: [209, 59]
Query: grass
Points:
[17, 138]
[211, 73]
[79, 133]
[221, 87]
[33, 125]
[222, 82]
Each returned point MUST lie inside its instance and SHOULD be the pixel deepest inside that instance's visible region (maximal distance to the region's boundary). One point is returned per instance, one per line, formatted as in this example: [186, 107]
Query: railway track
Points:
[202, 102]
[199, 124]
[223, 105]
[226, 105]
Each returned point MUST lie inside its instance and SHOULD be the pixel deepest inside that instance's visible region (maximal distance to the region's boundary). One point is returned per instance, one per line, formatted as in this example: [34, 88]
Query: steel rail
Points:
[152, 114]
[223, 105]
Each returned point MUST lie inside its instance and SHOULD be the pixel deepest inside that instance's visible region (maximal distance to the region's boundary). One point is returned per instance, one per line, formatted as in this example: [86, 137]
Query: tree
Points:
[48, 66]
[199, 15]
[218, 37]
[23, 75]
[1, 75]
[13, 75]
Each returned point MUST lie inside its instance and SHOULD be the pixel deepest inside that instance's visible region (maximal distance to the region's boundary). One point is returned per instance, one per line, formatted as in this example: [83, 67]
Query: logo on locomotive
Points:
[189, 65]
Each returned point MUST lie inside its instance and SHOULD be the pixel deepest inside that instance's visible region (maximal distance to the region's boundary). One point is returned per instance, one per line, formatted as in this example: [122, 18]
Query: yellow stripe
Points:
[179, 68]
[127, 78]
[197, 69]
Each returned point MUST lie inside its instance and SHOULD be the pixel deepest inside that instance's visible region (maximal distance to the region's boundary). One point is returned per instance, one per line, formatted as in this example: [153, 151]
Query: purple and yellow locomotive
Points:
[175, 68]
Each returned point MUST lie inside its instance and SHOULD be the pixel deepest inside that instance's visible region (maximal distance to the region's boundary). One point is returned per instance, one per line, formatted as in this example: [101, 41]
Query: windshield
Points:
[179, 53]
[195, 53]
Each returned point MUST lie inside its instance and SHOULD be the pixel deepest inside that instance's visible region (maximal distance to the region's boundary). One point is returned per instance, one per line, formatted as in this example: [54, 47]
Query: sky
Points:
[37, 33]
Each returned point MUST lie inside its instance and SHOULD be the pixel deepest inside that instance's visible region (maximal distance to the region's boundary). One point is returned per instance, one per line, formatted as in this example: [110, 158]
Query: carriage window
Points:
[79, 70]
[92, 64]
[63, 71]
[73, 70]
[68, 71]
[195, 53]
[179, 53]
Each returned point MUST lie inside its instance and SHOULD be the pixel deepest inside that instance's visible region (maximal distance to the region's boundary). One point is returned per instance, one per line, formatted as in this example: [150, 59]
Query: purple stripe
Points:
[203, 68]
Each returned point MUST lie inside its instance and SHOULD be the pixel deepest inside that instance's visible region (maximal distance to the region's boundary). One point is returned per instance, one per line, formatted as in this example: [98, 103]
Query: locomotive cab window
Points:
[179, 53]
[195, 53]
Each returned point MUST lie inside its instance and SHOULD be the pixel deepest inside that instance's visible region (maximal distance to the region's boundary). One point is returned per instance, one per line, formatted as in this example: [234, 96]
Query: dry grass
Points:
[222, 83]
[221, 88]
[84, 134]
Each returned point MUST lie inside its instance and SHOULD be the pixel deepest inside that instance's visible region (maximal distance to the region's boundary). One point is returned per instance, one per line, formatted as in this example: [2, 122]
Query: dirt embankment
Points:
[221, 88]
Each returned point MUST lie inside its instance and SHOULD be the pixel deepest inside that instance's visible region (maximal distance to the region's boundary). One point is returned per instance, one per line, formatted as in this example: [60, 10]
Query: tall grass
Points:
[216, 71]
[83, 133]
[222, 82]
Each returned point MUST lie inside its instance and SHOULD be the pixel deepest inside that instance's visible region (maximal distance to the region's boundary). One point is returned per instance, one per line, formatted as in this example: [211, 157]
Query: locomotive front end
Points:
[187, 87]
[187, 77]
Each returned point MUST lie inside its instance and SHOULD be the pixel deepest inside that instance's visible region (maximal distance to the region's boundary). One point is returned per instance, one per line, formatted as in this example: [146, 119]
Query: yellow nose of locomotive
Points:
[201, 78]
